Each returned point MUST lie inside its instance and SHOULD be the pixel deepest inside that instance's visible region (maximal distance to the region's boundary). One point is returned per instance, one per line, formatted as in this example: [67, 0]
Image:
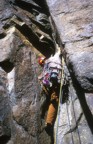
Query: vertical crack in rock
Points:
[34, 39]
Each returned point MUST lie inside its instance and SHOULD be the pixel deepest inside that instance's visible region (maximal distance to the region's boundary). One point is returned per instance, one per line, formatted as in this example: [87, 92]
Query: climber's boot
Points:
[49, 128]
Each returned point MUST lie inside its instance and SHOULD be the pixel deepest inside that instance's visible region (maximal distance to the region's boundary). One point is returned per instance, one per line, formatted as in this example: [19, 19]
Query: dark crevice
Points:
[44, 22]
[34, 9]
[44, 6]
[4, 139]
[65, 94]
[2, 35]
[28, 6]
[90, 80]
[45, 48]
[6, 65]
[44, 28]
[6, 26]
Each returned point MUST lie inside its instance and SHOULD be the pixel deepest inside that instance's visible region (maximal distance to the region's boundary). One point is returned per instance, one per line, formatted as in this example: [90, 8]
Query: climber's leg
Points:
[52, 110]
[51, 115]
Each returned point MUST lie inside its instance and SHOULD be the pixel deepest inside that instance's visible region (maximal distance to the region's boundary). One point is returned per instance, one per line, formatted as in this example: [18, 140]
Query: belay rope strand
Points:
[60, 95]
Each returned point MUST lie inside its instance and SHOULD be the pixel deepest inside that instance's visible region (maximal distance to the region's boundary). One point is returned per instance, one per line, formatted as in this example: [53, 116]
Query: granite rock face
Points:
[73, 22]
[28, 29]
[22, 34]
[5, 111]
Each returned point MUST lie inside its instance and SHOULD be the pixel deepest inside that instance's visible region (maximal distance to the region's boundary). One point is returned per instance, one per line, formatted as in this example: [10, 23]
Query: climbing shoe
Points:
[49, 128]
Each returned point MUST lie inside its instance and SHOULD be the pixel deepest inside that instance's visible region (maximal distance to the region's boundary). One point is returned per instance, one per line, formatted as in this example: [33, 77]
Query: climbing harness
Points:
[51, 73]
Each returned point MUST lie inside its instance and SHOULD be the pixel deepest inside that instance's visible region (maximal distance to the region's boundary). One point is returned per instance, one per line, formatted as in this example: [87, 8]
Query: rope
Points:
[60, 95]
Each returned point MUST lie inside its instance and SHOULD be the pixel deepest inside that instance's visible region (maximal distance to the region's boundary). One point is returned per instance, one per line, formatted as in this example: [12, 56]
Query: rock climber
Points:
[50, 79]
